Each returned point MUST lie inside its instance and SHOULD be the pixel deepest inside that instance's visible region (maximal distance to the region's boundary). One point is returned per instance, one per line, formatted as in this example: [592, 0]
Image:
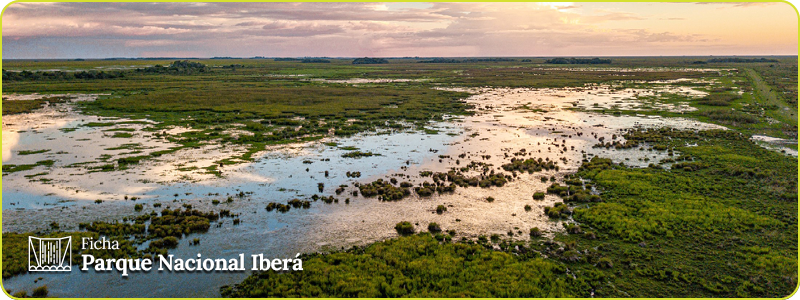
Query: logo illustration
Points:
[50, 254]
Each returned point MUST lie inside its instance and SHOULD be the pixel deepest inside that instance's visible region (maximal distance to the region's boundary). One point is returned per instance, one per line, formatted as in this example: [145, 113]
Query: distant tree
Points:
[368, 60]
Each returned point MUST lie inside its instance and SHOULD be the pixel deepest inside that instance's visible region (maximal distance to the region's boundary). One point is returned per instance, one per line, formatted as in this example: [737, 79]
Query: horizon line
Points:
[398, 57]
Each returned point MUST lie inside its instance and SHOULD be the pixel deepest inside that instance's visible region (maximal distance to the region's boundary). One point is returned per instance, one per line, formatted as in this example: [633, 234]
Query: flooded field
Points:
[553, 124]
[618, 172]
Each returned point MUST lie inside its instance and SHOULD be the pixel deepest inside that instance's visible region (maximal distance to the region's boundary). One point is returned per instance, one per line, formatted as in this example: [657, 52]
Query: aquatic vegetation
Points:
[714, 220]
[384, 190]
[29, 152]
[169, 242]
[433, 269]
[653, 217]
[359, 154]
[530, 165]
[10, 168]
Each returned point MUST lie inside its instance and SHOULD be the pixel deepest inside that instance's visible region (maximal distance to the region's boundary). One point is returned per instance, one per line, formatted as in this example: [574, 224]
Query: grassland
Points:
[12, 107]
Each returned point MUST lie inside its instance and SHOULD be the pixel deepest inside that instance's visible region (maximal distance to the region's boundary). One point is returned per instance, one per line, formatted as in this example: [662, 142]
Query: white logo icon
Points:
[50, 254]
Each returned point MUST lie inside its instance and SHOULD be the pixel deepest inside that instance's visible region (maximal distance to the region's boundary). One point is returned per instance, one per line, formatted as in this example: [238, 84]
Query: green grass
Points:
[12, 107]
[11, 168]
[415, 266]
[726, 229]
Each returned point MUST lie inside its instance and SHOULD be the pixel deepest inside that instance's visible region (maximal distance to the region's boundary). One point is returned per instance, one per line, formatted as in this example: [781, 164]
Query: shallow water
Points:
[775, 144]
[549, 127]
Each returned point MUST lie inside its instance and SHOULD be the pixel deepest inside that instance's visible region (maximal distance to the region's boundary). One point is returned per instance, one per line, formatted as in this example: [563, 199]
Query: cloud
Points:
[352, 28]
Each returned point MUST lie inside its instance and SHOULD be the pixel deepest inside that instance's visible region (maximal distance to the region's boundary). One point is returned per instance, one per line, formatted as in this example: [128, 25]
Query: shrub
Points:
[441, 209]
[434, 228]
[490, 199]
[574, 229]
[167, 242]
[538, 196]
[495, 237]
[138, 207]
[404, 228]
[40, 292]
[536, 232]
[528, 207]
[559, 210]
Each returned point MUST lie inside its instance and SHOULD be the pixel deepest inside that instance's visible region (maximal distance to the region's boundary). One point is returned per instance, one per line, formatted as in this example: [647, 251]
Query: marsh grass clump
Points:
[530, 165]
[169, 242]
[40, 292]
[297, 203]
[359, 154]
[434, 228]
[574, 229]
[10, 168]
[384, 190]
[535, 232]
[575, 191]
[495, 238]
[278, 206]
[404, 228]
[557, 211]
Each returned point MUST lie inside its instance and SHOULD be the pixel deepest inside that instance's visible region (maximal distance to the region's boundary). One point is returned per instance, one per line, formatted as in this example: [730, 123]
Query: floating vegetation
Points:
[530, 165]
[359, 154]
[384, 190]
[10, 168]
[29, 152]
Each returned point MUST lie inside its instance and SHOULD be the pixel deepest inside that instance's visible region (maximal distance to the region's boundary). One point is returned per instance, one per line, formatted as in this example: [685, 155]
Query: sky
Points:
[470, 29]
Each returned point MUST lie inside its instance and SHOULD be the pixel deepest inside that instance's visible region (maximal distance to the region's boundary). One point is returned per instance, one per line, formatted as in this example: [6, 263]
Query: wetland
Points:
[636, 177]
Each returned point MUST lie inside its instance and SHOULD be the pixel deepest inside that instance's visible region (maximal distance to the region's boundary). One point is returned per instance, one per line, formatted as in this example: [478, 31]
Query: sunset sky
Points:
[99, 30]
